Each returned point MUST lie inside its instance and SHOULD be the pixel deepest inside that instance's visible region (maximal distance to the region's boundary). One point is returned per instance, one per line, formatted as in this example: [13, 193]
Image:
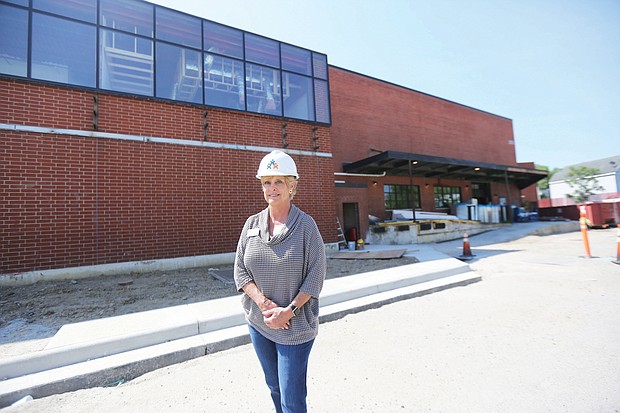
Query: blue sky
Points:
[552, 66]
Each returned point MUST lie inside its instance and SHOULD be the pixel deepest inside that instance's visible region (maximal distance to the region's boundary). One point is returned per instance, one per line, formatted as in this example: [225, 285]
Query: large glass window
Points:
[263, 89]
[178, 28]
[262, 50]
[128, 15]
[126, 63]
[85, 10]
[446, 196]
[138, 48]
[399, 196]
[179, 73]
[224, 82]
[296, 60]
[55, 43]
[13, 41]
[223, 40]
[298, 97]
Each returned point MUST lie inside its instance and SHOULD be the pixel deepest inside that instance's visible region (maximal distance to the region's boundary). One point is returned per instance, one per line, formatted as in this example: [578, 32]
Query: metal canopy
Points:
[397, 164]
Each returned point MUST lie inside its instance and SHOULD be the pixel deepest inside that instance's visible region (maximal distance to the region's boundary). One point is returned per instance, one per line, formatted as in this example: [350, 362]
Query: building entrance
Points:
[350, 214]
[481, 191]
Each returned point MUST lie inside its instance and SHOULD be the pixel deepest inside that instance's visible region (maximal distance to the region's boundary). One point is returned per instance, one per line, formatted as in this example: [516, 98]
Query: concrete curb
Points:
[79, 342]
[118, 368]
[106, 351]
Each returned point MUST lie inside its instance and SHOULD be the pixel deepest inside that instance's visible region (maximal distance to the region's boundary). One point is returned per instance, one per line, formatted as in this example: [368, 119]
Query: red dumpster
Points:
[602, 214]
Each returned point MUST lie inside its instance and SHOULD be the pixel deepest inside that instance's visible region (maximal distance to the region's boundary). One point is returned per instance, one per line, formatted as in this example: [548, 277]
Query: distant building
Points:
[603, 207]
[608, 177]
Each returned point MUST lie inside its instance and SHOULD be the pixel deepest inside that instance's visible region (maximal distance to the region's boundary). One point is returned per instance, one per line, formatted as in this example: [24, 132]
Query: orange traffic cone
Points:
[617, 261]
[584, 230]
[466, 255]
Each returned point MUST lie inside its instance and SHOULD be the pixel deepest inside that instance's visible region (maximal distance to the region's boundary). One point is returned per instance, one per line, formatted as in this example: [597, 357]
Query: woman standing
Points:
[280, 267]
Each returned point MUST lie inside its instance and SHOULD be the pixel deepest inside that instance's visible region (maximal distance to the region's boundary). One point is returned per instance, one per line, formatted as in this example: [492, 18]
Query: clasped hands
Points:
[275, 317]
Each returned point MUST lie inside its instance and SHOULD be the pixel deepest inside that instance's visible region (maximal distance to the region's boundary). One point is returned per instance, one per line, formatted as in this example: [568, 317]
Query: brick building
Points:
[145, 144]
[397, 148]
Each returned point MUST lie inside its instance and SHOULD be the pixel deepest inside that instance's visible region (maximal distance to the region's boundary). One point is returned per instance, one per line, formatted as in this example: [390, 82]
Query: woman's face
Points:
[276, 190]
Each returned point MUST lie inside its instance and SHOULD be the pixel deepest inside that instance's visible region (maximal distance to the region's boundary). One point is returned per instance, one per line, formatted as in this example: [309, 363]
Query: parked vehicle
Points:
[521, 215]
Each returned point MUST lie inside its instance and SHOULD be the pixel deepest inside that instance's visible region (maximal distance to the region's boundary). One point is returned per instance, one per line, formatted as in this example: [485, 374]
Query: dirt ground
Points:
[39, 310]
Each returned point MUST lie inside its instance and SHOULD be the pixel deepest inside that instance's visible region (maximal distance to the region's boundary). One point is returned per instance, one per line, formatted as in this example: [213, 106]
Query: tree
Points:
[583, 182]
[543, 184]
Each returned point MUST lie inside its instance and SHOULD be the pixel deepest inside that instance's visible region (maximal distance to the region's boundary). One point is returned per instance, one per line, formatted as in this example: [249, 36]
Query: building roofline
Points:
[604, 165]
[417, 91]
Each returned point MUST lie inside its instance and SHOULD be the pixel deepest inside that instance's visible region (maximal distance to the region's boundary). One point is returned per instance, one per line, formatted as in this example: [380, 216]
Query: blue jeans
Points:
[285, 369]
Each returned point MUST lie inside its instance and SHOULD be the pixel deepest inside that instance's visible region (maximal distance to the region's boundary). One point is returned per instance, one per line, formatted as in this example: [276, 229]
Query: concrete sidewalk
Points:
[111, 350]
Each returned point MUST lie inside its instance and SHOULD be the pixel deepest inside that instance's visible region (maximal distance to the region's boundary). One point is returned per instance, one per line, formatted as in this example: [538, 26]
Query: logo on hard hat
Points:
[277, 163]
[272, 164]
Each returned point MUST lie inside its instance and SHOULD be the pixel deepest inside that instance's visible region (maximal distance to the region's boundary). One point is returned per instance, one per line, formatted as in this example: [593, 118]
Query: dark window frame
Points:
[445, 196]
[178, 28]
[290, 80]
[123, 9]
[221, 39]
[397, 196]
[53, 56]
[15, 36]
[139, 63]
[221, 76]
[184, 85]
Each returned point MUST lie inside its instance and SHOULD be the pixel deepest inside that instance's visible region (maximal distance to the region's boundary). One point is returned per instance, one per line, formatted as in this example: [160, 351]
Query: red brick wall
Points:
[71, 200]
[40, 105]
[370, 115]
[379, 115]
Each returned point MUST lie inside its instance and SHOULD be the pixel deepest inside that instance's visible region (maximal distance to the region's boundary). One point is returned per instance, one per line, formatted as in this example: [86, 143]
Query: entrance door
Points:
[482, 192]
[351, 224]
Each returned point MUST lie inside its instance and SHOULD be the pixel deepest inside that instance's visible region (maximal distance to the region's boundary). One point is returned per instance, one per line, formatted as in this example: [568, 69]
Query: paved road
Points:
[540, 333]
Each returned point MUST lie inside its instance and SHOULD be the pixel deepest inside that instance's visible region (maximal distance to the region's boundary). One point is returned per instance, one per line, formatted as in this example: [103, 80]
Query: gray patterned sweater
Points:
[291, 261]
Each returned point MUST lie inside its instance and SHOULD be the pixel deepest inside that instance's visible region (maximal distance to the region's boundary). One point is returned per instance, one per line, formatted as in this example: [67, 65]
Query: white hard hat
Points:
[277, 163]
